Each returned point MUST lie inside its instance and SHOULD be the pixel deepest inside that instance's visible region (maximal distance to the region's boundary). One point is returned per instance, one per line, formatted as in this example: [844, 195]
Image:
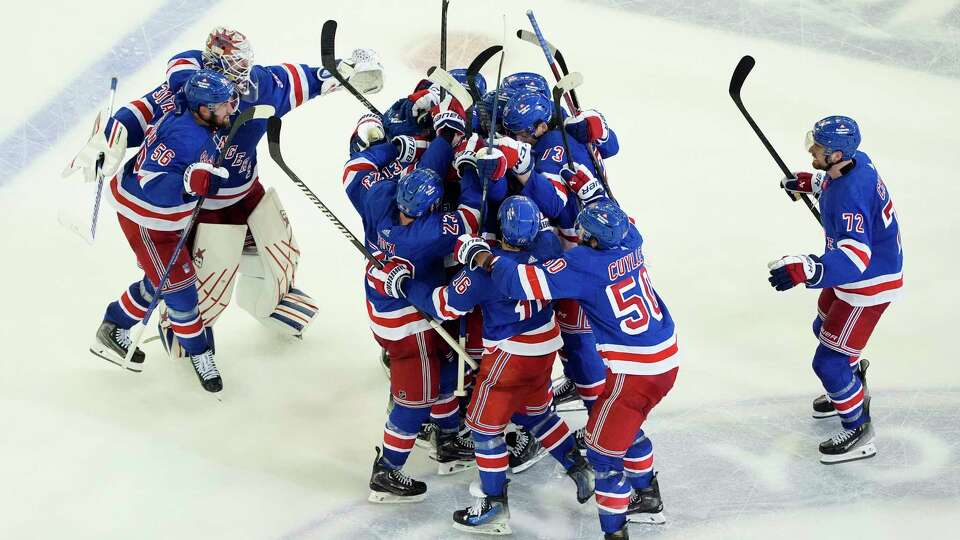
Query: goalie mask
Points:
[229, 52]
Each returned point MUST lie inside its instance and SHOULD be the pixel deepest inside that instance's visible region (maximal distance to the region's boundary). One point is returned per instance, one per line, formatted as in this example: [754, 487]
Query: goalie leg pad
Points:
[266, 288]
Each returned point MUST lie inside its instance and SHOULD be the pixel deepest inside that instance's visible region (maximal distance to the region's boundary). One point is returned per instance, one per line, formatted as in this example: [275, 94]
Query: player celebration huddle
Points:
[495, 249]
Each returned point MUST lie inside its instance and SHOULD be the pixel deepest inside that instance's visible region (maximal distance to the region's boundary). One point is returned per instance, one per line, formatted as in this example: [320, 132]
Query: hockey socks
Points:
[400, 433]
[492, 461]
[130, 308]
[612, 491]
[842, 382]
[638, 463]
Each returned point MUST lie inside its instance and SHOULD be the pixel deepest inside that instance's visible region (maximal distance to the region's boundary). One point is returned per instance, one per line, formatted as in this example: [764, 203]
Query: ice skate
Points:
[488, 515]
[646, 505]
[112, 343]
[622, 534]
[849, 445]
[207, 371]
[390, 486]
[582, 475]
[565, 395]
[580, 440]
[427, 437]
[823, 407]
[454, 453]
[525, 450]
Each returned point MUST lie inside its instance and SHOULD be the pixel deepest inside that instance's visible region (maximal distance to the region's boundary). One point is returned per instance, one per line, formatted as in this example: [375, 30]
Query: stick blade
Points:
[274, 123]
[569, 82]
[530, 37]
[446, 81]
[740, 75]
[328, 37]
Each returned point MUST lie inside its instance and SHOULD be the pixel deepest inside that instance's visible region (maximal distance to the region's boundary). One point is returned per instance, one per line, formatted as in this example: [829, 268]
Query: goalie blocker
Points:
[262, 265]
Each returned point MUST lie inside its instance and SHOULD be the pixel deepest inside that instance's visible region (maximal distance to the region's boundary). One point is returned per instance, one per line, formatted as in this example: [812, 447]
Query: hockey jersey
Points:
[149, 189]
[523, 327]
[421, 245]
[285, 87]
[863, 259]
[633, 328]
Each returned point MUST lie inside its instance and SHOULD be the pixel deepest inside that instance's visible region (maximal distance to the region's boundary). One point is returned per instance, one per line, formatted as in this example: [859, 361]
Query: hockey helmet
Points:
[605, 221]
[835, 134]
[209, 88]
[419, 192]
[519, 220]
[229, 52]
[525, 111]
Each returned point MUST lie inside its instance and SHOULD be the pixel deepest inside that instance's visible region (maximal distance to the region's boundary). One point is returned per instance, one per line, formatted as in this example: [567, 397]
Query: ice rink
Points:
[90, 451]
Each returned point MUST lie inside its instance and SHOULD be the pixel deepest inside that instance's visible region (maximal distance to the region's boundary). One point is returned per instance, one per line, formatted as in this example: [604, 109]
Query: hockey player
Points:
[520, 343]
[860, 273]
[154, 198]
[635, 336]
[400, 220]
[266, 257]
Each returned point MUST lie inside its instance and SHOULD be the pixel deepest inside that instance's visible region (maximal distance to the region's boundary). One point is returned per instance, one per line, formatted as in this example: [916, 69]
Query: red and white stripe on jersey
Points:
[142, 111]
[844, 406]
[641, 360]
[445, 407]
[299, 87]
[142, 213]
[559, 186]
[590, 392]
[442, 305]
[354, 167]
[638, 465]
[187, 329]
[555, 434]
[857, 252]
[534, 282]
[398, 442]
[470, 218]
[612, 503]
[131, 307]
[228, 196]
[181, 64]
[871, 292]
[493, 462]
[396, 325]
[537, 342]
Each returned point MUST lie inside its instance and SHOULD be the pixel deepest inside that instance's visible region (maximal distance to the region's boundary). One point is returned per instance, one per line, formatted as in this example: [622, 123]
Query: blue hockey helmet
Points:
[460, 74]
[527, 81]
[525, 111]
[418, 192]
[836, 134]
[209, 88]
[519, 220]
[605, 221]
[399, 120]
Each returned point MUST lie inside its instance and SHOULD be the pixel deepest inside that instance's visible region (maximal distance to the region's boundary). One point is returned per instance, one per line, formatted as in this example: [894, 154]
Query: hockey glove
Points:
[112, 146]
[804, 182]
[788, 272]
[203, 179]
[449, 119]
[369, 130]
[423, 101]
[468, 247]
[519, 155]
[587, 127]
[406, 149]
[466, 155]
[390, 279]
[582, 182]
[363, 70]
[491, 164]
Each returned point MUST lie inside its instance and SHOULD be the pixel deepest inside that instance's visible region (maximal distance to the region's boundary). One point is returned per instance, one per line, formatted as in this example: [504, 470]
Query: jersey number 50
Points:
[634, 305]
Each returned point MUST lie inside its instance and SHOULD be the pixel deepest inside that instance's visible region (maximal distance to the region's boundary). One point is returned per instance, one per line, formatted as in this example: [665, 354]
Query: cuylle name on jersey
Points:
[625, 265]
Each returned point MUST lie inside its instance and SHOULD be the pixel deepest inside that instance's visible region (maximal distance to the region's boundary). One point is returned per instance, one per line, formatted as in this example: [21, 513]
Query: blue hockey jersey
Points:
[523, 327]
[634, 331]
[863, 259]
[149, 189]
[421, 245]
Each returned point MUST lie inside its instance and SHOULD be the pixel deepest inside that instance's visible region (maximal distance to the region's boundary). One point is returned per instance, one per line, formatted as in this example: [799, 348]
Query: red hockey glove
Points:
[587, 127]
[582, 182]
[788, 272]
[804, 182]
[388, 280]
[203, 179]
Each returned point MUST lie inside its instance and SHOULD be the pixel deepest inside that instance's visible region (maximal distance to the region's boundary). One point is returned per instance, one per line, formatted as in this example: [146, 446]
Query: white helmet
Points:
[228, 51]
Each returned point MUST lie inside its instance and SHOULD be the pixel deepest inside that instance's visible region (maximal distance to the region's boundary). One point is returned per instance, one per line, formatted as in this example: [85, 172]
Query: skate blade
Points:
[454, 467]
[570, 406]
[380, 497]
[427, 445]
[862, 452]
[820, 415]
[111, 357]
[494, 529]
[648, 519]
[542, 453]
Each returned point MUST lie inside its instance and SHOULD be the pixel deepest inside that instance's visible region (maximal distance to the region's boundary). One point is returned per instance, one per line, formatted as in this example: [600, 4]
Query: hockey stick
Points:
[96, 200]
[472, 70]
[572, 103]
[273, 140]
[258, 112]
[443, 40]
[447, 83]
[563, 88]
[736, 84]
[328, 36]
[530, 37]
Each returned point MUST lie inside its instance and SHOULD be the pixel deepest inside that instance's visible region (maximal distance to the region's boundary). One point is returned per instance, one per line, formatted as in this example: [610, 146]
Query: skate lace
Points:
[205, 366]
[842, 437]
[522, 440]
[479, 506]
[122, 335]
[402, 478]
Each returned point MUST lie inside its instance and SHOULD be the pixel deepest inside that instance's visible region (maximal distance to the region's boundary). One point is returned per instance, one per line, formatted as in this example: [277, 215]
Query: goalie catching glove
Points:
[363, 70]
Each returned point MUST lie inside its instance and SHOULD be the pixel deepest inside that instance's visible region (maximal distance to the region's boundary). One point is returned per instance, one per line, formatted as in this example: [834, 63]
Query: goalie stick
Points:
[328, 36]
[257, 112]
[274, 125]
[736, 84]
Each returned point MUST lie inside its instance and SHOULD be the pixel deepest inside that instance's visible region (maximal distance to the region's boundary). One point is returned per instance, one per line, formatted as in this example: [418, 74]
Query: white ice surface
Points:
[89, 451]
